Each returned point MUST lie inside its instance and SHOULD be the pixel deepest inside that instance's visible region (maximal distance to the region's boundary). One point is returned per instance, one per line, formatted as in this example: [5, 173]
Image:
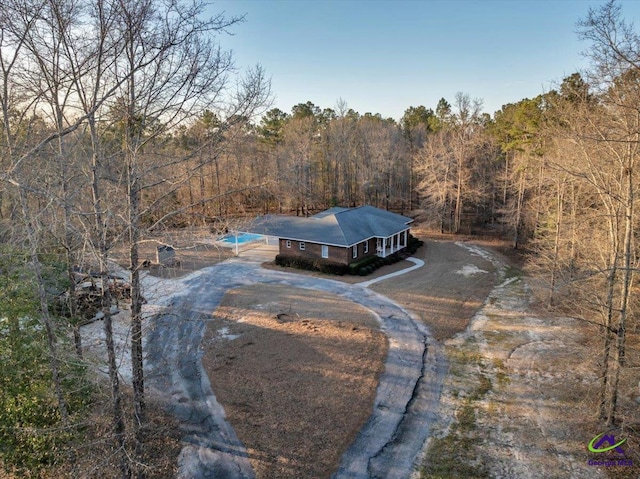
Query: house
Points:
[341, 235]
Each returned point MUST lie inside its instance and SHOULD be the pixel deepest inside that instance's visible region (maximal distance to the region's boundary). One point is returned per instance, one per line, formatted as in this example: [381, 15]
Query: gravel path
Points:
[407, 396]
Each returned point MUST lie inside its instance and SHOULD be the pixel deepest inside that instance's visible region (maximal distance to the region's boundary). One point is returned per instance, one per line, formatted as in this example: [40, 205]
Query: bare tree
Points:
[434, 166]
[171, 70]
[16, 26]
[597, 146]
[451, 160]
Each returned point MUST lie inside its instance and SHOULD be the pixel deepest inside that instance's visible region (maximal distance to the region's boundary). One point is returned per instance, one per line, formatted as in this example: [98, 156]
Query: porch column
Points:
[391, 238]
[405, 239]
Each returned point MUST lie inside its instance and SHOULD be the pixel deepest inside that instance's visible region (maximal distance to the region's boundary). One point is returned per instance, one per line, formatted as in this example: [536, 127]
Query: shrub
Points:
[363, 271]
[32, 434]
[413, 243]
[294, 262]
[354, 268]
[330, 267]
[321, 265]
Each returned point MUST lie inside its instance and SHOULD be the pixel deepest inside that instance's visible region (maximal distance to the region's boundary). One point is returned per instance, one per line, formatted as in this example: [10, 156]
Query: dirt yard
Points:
[194, 249]
[274, 355]
[297, 372]
[447, 291]
[297, 377]
[520, 397]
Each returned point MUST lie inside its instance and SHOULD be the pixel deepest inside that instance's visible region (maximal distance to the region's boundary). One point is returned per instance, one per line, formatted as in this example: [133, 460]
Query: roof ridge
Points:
[345, 209]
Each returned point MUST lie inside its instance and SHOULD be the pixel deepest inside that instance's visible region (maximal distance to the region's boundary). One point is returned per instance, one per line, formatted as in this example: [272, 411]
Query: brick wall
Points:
[361, 253]
[337, 254]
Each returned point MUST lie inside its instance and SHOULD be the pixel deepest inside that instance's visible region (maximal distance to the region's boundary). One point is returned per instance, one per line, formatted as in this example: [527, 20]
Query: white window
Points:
[366, 247]
[325, 251]
[302, 246]
[288, 243]
[355, 251]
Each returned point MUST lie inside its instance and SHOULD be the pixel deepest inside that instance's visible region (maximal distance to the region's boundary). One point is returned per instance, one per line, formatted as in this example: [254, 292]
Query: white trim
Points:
[334, 244]
[288, 244]
[302, 246]
[366, 247]
[354, 251]
[324, 251]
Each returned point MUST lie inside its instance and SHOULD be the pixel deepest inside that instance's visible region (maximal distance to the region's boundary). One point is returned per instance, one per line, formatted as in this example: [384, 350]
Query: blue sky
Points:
[385, 56]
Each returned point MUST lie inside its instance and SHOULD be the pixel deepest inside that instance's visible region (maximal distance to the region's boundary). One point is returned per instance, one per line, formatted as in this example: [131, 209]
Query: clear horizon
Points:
[384, 57]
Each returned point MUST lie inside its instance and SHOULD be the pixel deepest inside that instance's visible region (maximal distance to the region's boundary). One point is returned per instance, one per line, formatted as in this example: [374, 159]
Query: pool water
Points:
[242, 238]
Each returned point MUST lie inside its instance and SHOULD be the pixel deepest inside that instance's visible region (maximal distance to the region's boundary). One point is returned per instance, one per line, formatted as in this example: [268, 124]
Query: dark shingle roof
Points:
[335, 226]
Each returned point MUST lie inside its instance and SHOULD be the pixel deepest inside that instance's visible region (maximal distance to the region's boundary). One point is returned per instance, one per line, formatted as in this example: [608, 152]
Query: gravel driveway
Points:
[407, 397]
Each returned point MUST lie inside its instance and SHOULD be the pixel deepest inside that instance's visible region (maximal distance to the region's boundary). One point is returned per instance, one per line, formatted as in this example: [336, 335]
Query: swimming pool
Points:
[242, 238]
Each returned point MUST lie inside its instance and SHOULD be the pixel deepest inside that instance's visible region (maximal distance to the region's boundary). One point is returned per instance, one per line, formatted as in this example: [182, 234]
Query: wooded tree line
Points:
[571, 187]
[120, 118]
[91, 94]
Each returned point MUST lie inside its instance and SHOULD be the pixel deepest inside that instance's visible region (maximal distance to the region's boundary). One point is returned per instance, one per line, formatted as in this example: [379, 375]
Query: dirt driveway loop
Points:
[406, 399]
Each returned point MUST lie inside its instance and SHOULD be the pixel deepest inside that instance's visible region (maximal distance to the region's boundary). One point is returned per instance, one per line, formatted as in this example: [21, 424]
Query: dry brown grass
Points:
[443, 300]
[299, 381]
[190, 256]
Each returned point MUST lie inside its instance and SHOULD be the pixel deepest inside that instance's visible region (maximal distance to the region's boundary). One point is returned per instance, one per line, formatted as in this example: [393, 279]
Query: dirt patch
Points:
[297, 378]
[444, 294]
[191, 259]
[447, 291]
[520, 397]
[194, 250]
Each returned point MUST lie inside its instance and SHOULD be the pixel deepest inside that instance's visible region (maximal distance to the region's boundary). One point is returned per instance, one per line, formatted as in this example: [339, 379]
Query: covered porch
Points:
[390, 244]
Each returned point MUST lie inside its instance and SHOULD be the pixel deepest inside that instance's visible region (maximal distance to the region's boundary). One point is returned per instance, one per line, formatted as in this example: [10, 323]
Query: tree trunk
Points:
[458, 208]
[556, 245]
[574, 231]
[519, 207]
[100, 239]
[606, 351]
[607, 328]
[116, 398]
[627, 273]
[133, 193]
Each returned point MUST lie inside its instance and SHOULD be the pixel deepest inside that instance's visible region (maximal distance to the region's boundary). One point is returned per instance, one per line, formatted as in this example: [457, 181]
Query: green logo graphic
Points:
[610, 439]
